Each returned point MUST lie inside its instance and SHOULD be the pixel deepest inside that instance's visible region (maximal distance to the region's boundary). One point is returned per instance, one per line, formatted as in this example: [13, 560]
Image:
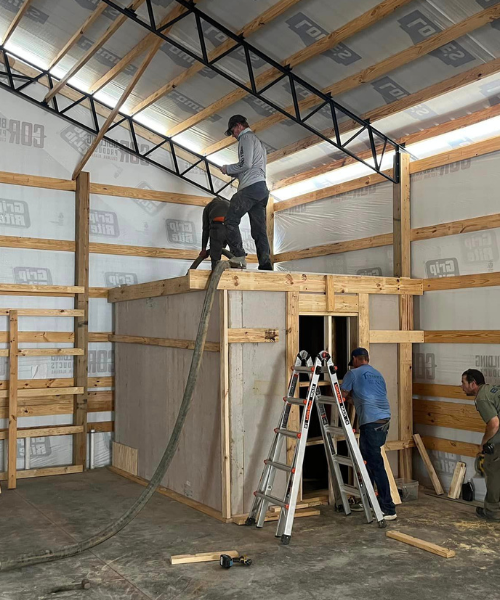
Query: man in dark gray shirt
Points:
[251, 197]
[214, 215]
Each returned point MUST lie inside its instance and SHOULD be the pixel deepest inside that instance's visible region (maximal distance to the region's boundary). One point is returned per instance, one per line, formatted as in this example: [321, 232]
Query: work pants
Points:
[218, 241]
[372, 437]
[492, 473]
[252, 200]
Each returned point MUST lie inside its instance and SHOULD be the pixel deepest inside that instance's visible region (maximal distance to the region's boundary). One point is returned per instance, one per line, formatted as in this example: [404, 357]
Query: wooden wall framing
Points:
[333, 295]
[65, 396]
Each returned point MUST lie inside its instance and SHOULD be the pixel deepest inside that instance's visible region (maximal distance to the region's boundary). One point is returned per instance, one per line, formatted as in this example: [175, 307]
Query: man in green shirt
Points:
[488, 405]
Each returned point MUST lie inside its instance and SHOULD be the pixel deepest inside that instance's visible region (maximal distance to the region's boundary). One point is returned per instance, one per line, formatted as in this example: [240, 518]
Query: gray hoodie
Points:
[251, 167]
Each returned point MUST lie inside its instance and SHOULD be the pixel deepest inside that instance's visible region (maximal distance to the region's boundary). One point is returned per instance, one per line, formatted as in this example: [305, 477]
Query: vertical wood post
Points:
[270, 225]
[402, 268]
[82, 209]
[330, 293]
[224, 391]
[364, 321]
[13, 378]
[292, 349]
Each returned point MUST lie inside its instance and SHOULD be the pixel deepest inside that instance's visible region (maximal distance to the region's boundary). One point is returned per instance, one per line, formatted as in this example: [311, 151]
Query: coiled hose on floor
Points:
[25, 560]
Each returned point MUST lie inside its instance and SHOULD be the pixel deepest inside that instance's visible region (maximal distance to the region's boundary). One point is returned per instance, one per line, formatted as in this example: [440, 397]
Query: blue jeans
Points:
[372, 437]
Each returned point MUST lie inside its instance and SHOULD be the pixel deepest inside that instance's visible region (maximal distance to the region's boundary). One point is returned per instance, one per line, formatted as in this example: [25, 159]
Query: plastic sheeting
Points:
[358, 214]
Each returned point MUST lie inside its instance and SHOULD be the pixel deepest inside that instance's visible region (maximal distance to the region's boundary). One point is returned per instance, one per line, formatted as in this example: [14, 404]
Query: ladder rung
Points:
[297, 401]
[326, 400]
[310, 369]
[343, 460]
[271, 499]
[334, 430]
[350, 489]
[288, 433]
[278, 465]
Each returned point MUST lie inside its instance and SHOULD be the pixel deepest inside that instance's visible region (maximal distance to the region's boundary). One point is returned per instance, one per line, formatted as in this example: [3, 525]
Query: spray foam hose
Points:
[25, 560]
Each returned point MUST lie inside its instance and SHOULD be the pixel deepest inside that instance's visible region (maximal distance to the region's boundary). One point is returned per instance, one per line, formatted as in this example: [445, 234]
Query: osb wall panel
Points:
[257, 385]
[149, 388]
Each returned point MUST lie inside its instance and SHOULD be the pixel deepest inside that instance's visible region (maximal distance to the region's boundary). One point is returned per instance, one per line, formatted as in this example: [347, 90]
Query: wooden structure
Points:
[291, 296]
[252, 341]
[61, 396]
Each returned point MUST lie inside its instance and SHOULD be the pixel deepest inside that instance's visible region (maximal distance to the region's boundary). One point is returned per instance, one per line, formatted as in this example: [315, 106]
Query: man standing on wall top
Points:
[487, 399]
[367, 389]
[251, 197]
[214, 215]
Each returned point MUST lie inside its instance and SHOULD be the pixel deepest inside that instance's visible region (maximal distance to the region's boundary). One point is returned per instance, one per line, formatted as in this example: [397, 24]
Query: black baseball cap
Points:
[358, 352]
[234, 120]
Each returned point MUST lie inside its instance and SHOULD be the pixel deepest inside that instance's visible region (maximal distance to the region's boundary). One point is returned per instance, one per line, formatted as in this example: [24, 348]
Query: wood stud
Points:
[13, 377]
[225, 406]
[15, 22]
[81, 330]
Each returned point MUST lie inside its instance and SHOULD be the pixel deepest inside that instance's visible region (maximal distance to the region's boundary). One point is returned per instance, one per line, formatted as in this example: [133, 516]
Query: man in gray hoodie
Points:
[251, 197]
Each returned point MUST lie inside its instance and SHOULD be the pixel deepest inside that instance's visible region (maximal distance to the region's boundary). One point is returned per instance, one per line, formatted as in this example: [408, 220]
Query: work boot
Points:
[238, 262]
[266, 267]
[483, 513]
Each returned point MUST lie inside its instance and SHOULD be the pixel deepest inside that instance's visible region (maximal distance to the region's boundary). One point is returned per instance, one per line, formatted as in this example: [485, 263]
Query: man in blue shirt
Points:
[366, 387]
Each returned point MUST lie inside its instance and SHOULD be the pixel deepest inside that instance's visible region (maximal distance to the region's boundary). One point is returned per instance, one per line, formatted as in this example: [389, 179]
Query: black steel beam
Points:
[376, 136]
[7, 82]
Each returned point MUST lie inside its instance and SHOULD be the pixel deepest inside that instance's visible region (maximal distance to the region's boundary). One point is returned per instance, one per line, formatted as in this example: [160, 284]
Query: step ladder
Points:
[338, 428]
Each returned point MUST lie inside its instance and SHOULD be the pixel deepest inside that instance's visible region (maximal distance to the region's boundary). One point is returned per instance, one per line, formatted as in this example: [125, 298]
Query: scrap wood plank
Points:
[458, 479]
[180, 559]
[301, 505]
[422, 544]
[438, 488]
[396, 498]
[270, 516]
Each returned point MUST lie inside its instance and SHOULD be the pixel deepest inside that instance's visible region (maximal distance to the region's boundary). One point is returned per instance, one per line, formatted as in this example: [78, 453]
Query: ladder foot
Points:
[285, 539]
[250, 521]
[382, 524]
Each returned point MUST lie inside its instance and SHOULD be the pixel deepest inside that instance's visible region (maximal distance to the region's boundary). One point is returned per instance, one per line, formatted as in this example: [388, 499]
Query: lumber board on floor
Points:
[422, 544]
[181, 559]
[272, 516]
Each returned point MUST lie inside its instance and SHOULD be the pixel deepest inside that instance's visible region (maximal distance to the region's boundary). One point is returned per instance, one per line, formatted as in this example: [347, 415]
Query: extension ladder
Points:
[340, 427]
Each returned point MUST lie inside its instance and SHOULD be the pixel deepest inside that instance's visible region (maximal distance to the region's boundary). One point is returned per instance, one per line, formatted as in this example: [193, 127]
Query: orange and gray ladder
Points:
[338, 428]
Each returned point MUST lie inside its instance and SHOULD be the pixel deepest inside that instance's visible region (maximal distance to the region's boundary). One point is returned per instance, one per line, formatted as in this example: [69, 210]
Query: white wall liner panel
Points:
[34, 142]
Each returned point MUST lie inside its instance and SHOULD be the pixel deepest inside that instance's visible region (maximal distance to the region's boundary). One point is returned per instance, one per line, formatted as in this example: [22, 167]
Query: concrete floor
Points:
[330, 556]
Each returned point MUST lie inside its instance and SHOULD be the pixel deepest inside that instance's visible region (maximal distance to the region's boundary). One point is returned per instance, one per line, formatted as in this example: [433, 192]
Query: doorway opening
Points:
[334, 334]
